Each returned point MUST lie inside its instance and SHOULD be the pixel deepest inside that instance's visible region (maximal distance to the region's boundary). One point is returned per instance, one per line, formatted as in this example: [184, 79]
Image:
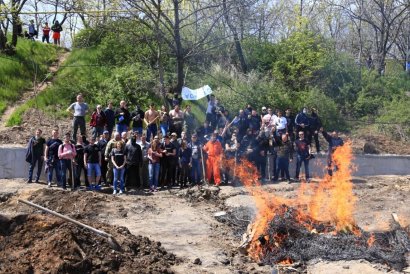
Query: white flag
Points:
[195, 94]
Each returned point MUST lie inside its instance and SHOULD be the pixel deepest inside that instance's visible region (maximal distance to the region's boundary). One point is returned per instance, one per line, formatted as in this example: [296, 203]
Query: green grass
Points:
[17, 72]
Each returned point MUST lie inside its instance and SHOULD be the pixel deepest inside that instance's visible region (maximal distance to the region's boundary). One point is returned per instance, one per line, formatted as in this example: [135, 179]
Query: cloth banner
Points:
[195, 94]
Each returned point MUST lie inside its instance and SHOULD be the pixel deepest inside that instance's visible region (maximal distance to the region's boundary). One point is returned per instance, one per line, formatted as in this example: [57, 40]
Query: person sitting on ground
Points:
[35, 155]
[66, 154]
[118, 159]
[98, 122]
[334, 142]
[92, 160]
[57, 29]
[46, 33]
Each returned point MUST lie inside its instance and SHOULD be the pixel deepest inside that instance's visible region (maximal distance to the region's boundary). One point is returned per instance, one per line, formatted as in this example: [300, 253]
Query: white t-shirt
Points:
[281, 123]
[270, 120]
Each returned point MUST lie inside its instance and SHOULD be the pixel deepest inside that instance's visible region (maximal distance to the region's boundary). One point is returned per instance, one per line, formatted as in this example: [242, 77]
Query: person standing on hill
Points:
[150, 117]
[98, 122]
[35, 154]
[32, 32]
[79, 109]
[137, 117]
[57, 29]
[110, 118]
[123, 117]
[46, 33]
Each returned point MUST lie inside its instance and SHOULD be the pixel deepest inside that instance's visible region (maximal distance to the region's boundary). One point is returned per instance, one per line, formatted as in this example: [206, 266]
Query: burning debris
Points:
[318, 223]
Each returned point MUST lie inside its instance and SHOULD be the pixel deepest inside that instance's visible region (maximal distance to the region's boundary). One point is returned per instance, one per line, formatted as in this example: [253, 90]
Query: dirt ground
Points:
[183, 222]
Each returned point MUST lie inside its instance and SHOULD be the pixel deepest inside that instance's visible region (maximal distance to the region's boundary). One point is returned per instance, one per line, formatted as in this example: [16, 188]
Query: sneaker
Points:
[155, 189]
[49, 184]
[114, 192]
[120, 192]
[29, 181]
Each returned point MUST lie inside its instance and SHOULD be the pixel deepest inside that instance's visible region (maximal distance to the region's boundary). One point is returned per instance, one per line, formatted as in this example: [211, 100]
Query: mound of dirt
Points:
[196, 195]
[43, 244]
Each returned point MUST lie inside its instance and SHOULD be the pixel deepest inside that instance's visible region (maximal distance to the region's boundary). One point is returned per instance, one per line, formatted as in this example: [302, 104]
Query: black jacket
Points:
[134, 154]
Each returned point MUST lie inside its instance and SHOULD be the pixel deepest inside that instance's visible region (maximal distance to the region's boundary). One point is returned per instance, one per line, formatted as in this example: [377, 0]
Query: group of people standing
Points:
[161, 149]
[56, 28]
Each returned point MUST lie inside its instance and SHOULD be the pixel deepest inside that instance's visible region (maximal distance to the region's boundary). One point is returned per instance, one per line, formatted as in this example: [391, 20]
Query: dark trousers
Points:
[168, 172]
[283, 168]
[184, 174]
[316, 138]
[132, 179]
[196, 171]
[78, 169]
[104, 168]
[144, 174]
[64, 165]
[78, 122]
[260, 162]
[299, 161]
[151, 129]
[46, 38]
[36, 159]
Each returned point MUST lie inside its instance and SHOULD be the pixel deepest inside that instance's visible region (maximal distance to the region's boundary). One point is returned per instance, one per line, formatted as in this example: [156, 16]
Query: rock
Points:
[197, 261]
[346, 267]
[370, 148]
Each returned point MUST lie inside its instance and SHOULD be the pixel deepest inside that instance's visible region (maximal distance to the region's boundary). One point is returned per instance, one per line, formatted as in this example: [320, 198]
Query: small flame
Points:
[371, 240]
[287, 261]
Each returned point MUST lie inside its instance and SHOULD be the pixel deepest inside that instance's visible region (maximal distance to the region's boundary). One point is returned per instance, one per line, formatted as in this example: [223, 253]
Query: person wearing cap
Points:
[214, 150]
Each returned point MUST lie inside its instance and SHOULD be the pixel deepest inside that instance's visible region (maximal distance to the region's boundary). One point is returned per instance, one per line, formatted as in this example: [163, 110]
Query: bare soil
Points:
[181, 220]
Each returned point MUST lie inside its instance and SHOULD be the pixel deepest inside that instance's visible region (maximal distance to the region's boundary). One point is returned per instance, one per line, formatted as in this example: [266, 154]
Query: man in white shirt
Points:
[281, 124]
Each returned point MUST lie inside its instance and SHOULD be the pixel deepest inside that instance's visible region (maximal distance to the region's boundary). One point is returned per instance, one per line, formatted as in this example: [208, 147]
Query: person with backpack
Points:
[57, 29]
[66, 154]
[35, 154]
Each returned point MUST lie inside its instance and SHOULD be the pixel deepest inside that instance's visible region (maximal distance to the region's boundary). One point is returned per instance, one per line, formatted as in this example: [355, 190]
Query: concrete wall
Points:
[13, 164]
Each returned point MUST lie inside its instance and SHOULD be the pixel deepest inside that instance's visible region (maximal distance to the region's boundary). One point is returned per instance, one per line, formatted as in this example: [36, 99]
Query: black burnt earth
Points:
[288, 240]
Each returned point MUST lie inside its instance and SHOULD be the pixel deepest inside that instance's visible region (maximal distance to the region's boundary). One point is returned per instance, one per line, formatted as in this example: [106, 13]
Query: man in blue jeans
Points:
[35, 154]
[51, 155]
[302, 155]
[123, 117]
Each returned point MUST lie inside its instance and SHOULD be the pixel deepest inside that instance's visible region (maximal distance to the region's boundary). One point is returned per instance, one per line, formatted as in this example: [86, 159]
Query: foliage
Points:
[17, 72]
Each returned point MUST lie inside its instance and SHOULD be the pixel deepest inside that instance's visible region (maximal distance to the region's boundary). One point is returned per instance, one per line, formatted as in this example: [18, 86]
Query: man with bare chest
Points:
[177, 120]
[151, 117]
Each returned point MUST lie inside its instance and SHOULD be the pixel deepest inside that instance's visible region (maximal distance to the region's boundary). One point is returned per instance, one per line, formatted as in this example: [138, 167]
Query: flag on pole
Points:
[195, 94]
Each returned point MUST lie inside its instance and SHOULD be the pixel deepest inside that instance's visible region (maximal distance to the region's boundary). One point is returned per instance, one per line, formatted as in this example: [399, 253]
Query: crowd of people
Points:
[33, 33]
[159, 149]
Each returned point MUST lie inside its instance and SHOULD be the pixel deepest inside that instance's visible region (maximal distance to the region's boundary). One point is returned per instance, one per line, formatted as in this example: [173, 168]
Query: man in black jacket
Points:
[123, 117]
[35, 154]
[137, 117]
[134, 162]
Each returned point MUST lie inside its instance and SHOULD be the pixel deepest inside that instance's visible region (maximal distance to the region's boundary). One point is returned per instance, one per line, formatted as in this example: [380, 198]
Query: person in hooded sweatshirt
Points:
[133, 153]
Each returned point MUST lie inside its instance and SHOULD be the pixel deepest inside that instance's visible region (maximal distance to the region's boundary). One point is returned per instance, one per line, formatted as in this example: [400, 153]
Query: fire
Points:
[287, 261]
[371, 240]
[330, 202]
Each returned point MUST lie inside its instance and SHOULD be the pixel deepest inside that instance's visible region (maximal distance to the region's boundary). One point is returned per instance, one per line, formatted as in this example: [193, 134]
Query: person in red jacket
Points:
[214, 150]
[98, 122]
[46, 33]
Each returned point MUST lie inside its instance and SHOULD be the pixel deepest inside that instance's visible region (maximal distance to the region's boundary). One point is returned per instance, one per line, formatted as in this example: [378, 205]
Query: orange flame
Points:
[371, 240]
[331, 200]
[287, 261]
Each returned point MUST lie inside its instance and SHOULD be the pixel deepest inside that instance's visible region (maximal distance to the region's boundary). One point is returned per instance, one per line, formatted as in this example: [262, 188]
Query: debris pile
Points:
[40, 243]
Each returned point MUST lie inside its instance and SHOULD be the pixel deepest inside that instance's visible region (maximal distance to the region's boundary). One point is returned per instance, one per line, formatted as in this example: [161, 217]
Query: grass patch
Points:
[17, 72]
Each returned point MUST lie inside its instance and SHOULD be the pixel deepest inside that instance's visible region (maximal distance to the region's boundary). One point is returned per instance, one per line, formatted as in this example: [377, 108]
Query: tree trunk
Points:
[14, 35]
[237, 42]
[179, 50]
[3, 40]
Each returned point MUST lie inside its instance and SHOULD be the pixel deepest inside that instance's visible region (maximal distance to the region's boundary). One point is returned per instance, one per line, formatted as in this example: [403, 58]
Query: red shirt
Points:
[46, 31]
